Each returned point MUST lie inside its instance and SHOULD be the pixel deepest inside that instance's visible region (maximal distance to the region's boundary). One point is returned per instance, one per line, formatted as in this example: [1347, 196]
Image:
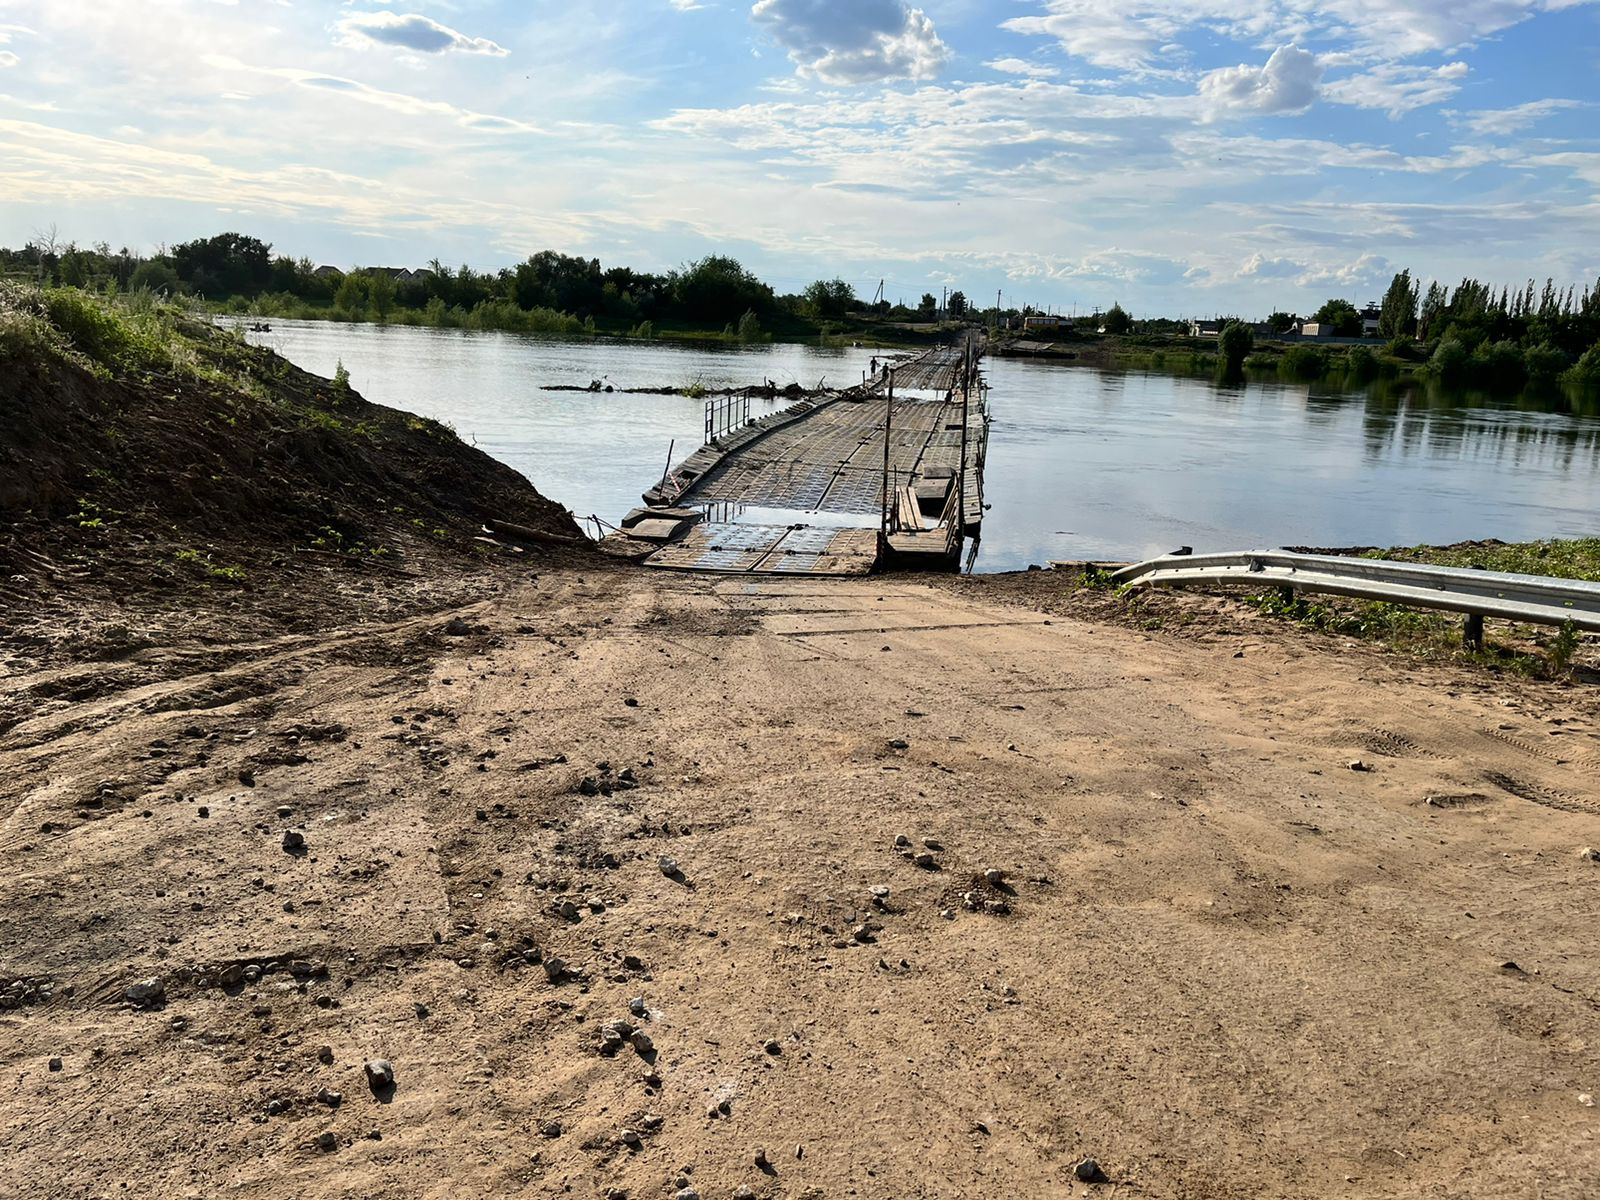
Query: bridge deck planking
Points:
[750, 549]
[834, 457]
[828, 456]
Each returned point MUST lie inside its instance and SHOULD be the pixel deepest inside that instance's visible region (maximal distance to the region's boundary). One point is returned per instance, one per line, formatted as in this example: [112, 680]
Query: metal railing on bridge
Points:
[726, 413]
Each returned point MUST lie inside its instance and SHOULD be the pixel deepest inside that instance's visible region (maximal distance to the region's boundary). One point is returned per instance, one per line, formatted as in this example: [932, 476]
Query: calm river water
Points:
[1082, 463]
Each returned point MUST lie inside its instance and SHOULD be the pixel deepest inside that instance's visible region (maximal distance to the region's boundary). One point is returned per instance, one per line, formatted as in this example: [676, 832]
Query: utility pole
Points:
[885, 524]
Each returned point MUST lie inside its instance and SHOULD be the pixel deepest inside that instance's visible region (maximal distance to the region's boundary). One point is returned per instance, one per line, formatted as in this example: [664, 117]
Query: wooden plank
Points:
[655, 530]
[910, 512]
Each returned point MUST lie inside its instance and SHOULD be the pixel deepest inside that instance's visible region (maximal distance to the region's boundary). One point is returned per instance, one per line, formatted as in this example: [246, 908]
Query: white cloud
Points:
[1286, 84]
[1503, 121]
[686, 5]
[1257, 266]
[1368, 271]
[1134, 34]
[7, 58]
[1021, 66]
[398, 102]
[1398, 89]
[409, 31]
[1122, 37]
[854, 41]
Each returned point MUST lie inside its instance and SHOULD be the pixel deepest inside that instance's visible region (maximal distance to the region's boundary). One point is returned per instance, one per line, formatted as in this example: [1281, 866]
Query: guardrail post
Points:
[1472, 632]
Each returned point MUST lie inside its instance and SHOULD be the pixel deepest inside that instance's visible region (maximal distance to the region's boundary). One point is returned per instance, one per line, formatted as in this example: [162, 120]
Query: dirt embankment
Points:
[156, 471]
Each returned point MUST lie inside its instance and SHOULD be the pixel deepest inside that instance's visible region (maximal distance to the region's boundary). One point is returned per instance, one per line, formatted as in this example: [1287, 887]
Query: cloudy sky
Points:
[1178, 156]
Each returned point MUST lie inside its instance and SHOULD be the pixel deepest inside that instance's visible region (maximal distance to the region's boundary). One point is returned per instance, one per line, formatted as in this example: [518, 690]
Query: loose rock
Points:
[327, 1143]
[293, 840]
[147, 993]
[380, 1074]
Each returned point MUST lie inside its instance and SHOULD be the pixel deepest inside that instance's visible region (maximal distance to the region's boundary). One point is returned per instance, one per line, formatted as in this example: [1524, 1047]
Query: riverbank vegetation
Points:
[716, 298]
[1538, 651]
[1467, 338]
[1534, 651]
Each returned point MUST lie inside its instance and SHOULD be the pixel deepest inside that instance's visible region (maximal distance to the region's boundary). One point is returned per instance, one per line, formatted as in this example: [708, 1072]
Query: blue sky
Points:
[1179, 156]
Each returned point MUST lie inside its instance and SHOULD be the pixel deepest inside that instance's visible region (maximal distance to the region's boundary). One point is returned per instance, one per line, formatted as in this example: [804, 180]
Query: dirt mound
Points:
[145, 452]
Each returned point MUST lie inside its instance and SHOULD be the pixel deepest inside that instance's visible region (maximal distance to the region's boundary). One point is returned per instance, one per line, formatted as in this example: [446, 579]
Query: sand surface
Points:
[1219, 961]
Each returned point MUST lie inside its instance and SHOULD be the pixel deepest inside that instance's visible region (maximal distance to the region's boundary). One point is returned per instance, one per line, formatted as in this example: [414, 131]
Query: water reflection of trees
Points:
[1557, 429]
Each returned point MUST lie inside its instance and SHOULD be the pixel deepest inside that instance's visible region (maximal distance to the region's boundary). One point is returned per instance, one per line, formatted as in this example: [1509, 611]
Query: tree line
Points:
[548, 290]
[1473, 334]
[1470, 334]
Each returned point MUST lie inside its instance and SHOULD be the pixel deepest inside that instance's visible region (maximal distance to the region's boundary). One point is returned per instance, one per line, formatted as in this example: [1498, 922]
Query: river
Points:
[1082, 463]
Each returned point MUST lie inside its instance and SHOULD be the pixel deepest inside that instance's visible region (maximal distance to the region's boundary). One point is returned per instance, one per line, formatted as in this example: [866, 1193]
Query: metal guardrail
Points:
[1536, 599]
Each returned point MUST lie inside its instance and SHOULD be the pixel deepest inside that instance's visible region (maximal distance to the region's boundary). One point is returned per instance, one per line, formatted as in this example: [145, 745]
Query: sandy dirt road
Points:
[1220, 961]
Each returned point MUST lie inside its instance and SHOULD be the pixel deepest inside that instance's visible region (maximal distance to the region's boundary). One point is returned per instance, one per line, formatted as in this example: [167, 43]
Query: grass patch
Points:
[1540, 652]
[1560, 558]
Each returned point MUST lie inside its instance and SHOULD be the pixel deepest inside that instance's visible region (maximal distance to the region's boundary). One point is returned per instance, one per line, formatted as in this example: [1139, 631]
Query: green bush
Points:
[1543, 363]
[1585, 373]
[92, 328]
[1361, 365]
[1303, 362]
[1498, 366]
[1450, 361]
[24, 331]
[1235, 342]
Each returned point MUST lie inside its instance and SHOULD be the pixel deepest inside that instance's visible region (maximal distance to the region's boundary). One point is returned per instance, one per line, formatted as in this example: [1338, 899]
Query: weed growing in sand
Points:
[442, 430]
[92, 516]
[1430, 634]
[1559, 652]
[324, 420]
[225, 573]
